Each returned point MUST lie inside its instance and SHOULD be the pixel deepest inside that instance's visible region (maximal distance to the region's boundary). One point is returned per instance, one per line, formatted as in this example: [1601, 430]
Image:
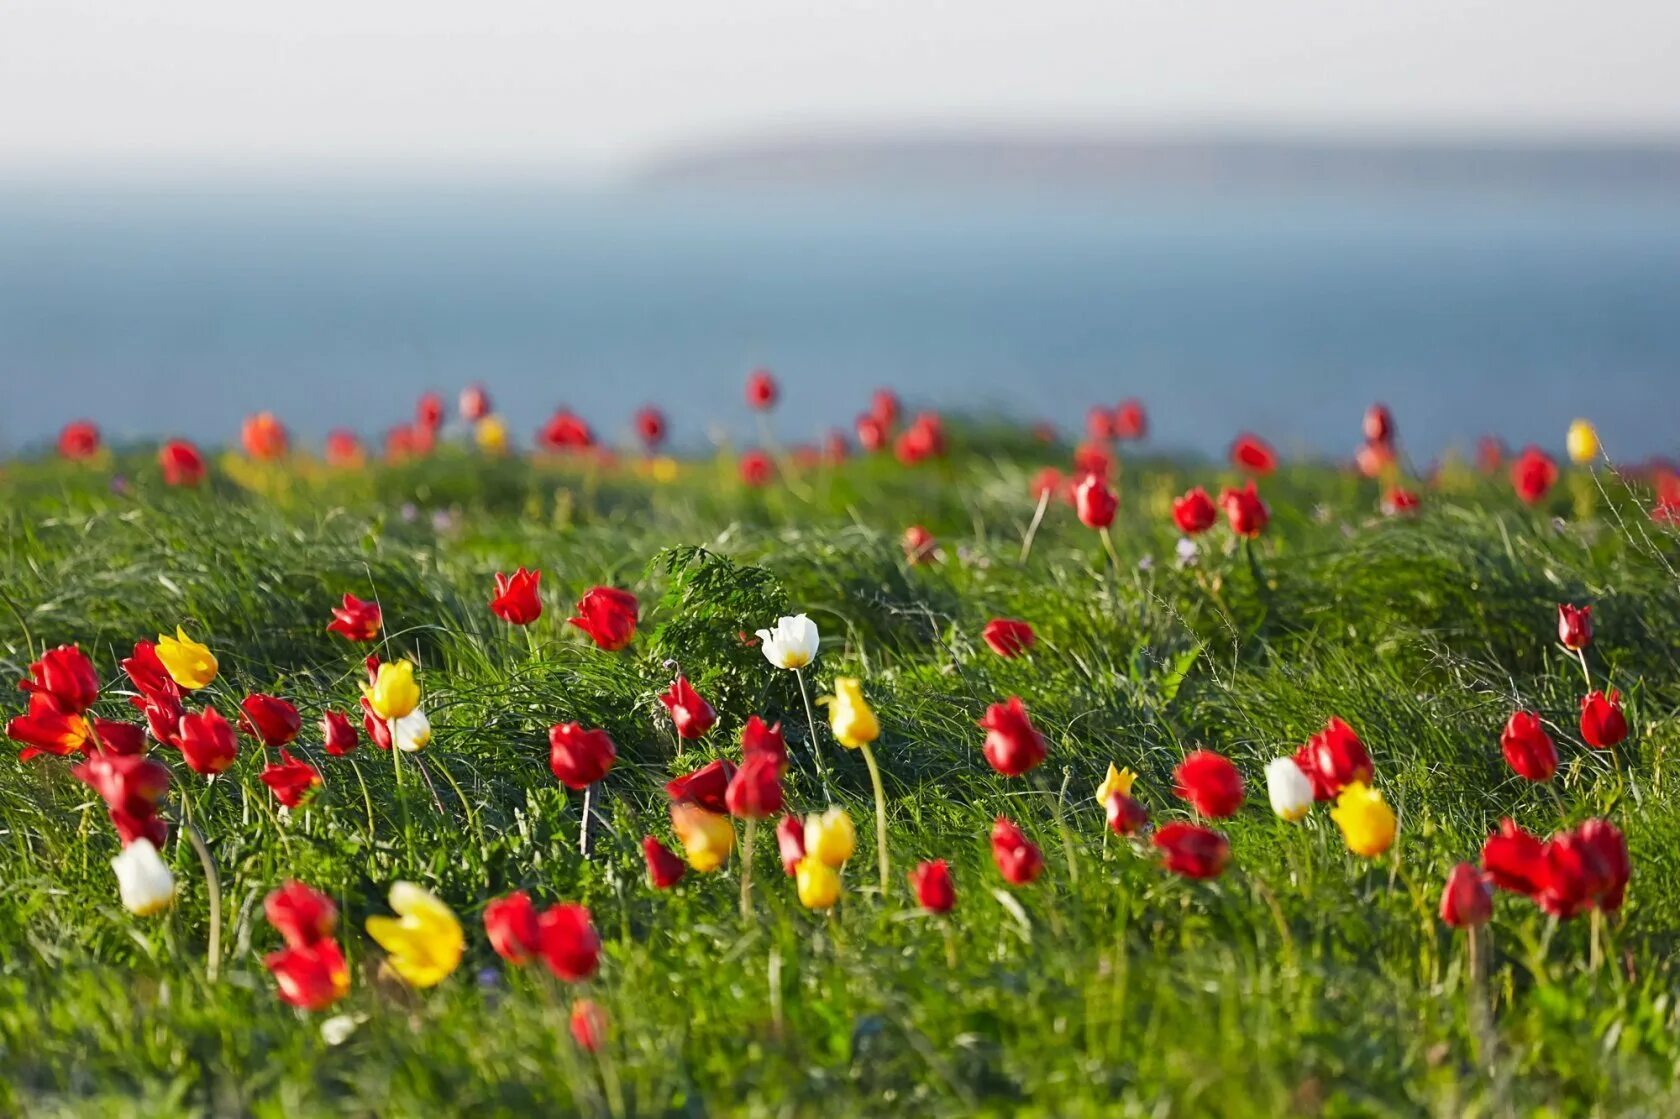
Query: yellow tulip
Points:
[819, 885]
[188, 663]
[424, 941]
[830, 837]
[1117, 781]
[849, 716]
[491, 435]
[1366, 820]
[707, 837]
[394, 693]
[1582, 442]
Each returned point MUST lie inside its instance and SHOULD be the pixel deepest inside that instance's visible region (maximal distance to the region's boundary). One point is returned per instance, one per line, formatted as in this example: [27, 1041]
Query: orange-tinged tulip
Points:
[707, 837]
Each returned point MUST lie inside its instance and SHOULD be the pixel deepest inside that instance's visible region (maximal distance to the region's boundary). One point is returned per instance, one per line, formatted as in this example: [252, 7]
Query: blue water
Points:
[159, 311]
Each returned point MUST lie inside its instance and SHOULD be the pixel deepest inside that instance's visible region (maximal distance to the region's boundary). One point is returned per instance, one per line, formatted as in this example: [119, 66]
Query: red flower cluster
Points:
[1565, 875]
[1334, 758]
[310, 971]
[132, 787]
[62, 685]
[564, 936]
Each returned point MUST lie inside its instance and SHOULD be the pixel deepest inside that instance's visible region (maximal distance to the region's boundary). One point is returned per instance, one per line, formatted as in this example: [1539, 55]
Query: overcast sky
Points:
[555, 83]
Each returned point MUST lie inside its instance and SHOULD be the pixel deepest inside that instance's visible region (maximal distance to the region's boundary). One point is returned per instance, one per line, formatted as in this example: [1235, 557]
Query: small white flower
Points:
[143, 879]
[337, 1029]
[412, 732]
[1290, 790]
[792, 644]
[1188, 552]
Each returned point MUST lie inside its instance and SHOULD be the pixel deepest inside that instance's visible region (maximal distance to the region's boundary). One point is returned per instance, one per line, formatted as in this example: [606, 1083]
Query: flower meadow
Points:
[941, 766]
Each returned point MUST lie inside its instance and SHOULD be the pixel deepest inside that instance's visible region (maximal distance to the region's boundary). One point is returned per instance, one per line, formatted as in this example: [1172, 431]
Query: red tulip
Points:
[759, 739]
[270, 718]
[1533, 474]
[1130, 420]
[510, 922]
[1090, 459]
[579, 757]
[67, 675]
[1095, 503]
[922, 440]
[565, 431]
[338, 734]
[1008, 637]
[1099, 423]
[1528, 748]
[163, 717]
[344, 448]
[1490, 454]
[1400, 502]
[302, 916]
[1514, 860]
[608, 616]
[872, 433]
[588, 1025]
[1334, 758]
[133, 788]
[78, 441]
[884, 405]
[290, 779]
[473, 403]
[1013, 745]
[756, 789]
[1253, 454]
[311, 978]
[1374, 459]
[356, 620]
[692, 715]
[428, 411]
[1610, 855]
[1245, 511]
[762, 390]
[705, 787]
[119, 738]
[1575, 627]
[756, 469]
[919, 544]
[264, 437]
[47, 729]
[790, 843]
[1466, 901]
[650, 427]
[1125, 815]
[1572, 877]
[1379, 424]
[1603, 725]
[1210, 782]
[182, 464]
[664, 869]
[1192, 850]
[569, 943]
[148, 674]
[517, 600]
[1018, 858]
[378, 730]
[932, 883]
[1046, 483]
[1194, 513]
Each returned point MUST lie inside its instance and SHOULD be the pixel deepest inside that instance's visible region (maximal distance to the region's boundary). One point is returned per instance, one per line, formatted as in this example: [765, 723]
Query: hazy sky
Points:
[548, 82]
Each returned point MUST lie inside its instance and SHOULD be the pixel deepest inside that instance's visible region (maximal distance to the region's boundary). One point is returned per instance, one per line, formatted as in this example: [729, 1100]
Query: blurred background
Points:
[1250, 215]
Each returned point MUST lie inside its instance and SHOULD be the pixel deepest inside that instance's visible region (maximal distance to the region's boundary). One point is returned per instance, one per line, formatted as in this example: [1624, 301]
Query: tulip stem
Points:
[583, 824]
[1595, 951]
[748, 834]
[811, 722]
[950, 943]
[367, 799]
[1108, 546]
[880, 816]
[1032, 529]
[1062, 829]
[213, 888]
[1581, 654]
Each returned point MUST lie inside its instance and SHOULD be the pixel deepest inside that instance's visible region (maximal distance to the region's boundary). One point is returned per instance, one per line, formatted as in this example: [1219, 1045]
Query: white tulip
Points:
[792, 644]
[143, 879]
[1290, 790]
[412, 732]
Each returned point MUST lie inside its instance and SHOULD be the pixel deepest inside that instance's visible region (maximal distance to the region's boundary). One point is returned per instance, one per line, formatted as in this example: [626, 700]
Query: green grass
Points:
[1302, 982]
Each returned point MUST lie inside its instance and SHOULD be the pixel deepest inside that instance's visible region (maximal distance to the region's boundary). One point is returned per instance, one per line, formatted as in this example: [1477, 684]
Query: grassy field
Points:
[1304, 981]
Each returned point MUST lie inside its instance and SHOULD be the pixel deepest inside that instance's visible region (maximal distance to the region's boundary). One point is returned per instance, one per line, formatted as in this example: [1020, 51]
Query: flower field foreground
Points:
[964, 773]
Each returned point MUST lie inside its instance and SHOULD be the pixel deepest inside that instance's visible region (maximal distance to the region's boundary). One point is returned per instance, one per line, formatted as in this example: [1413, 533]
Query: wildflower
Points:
[112, 737]
[423, 942]
[664, 869]
[377, 729]
[691, 715]
[147, 673]
[1210, 782]
[181, 463]
[931, 882]
[1125, 816]
[579, 757]
[1192, 850]
[394, 692]
[311, 977]
[1602, 723]
[1533, 474]
[588, 1024]
[1247, 514]
[762, 390]
[755, 792]
[608, 616]
[1608, 848]
[849, 716]
[570, 946]
[1008, 637]
[1466, 900]
[830, 837]
[302, 916]
[1095, 503]
[790, 843]
[707, 837]
[290, 779]
[1582, 442]
[792, 643]
[1018, 858]
[650, 427]
[132, 787]
[355, 620]
[473, 403]
[264, 437]
[1528, 748]
[818, 883]
[47, 729]
[67, 675]
[1575, 627]
[1117, 780]
[1333, 758]
[1514, 860]
[1099, 422]
[517, 601]
[1400, 502]
[1046, 484]
[706, 787]
[1289, 789]
[1366, 820]
[338, 734]
[206, 742]
[78, 441]
[757, 739]
[344, 449]
[143, 880]
[1130, 420]
[1253, 454]
[872, 432]
[756, 469]
[1378, 424]
[428, 411]
[1013, 745]
[272, 719]
[190, 664]
[923, 439]
[1194, 512]
[919, 545]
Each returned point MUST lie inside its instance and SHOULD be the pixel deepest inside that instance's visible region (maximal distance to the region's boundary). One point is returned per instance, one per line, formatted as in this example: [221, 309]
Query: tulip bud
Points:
[1191, 850]
[1575, 628]
[664, 869]
[1582, 442]
[818, 883]
[830, 837]
[1366, 820]
[849, 714]
[931, 882]
[143, 879]
[707, 837]
[1603, 725]
[1210, 782]
[1466, 901]
[1095, 503]
[1290, 790]
[189, 663]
